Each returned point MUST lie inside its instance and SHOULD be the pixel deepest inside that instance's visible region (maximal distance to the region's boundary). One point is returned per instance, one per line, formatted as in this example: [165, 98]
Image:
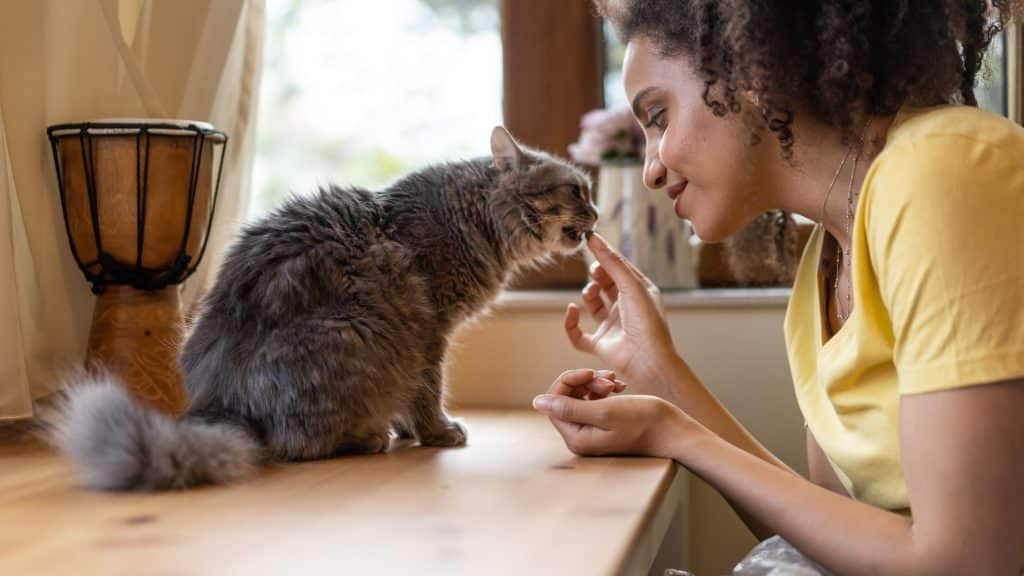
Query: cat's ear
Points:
[507, 155]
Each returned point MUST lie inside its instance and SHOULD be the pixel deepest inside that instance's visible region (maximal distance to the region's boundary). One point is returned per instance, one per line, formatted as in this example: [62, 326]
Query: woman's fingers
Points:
[624, 275]
[572, 383]
[596, 388]
[593, 302]
[571, 380]
[588, 427]
[567, 409]
[601, 277]
[617, 388]
[586, 383]
[579, 339]
[603, 387]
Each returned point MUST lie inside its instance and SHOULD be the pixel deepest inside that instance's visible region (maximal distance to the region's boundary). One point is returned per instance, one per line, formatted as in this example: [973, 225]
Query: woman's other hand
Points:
[600, 425]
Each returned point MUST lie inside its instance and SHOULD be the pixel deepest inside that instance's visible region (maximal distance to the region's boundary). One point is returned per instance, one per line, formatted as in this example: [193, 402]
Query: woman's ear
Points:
[507, 155]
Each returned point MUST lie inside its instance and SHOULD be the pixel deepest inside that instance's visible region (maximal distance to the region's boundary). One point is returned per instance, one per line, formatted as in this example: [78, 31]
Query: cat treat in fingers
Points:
[329, 320]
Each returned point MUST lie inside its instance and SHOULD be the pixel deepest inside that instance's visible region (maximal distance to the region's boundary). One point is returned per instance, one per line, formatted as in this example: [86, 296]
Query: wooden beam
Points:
[553, 74]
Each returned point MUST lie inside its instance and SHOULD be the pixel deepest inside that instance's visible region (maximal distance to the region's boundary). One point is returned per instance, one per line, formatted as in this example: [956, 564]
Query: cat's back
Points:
[343, 216]
[307, 253]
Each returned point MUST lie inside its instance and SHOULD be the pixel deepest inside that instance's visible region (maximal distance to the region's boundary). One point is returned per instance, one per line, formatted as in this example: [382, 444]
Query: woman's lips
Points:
[675, 193]
[677, 189]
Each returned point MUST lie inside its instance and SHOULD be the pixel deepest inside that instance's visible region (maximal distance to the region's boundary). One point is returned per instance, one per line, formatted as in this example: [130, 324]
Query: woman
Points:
[905, 330]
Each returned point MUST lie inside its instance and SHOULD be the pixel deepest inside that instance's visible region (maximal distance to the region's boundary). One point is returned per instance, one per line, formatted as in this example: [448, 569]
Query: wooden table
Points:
[515, 501]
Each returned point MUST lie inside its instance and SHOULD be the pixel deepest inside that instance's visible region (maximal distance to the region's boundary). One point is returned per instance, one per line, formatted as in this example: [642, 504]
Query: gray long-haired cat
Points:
[328, 323]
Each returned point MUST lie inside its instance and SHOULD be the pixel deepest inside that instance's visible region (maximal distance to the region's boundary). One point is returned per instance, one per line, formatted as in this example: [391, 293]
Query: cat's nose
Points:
[593, 212]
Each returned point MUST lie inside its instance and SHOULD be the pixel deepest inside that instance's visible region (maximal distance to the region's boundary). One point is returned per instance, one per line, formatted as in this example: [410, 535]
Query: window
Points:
[614, 51]
[359, 93]
[992, 89]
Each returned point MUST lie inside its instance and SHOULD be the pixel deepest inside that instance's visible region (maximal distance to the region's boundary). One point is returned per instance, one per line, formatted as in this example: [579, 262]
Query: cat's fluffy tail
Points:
[121, 445]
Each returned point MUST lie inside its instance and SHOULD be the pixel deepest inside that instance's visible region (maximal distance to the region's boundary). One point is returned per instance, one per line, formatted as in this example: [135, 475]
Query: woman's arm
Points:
[961, 459]
[700, 404]
[964, 470]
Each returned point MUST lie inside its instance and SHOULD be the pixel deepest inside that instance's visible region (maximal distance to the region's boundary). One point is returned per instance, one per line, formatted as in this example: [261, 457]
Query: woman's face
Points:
[703, 163]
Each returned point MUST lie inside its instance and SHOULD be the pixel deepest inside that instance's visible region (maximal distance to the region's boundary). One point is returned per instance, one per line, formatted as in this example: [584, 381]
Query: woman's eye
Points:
[657, 119]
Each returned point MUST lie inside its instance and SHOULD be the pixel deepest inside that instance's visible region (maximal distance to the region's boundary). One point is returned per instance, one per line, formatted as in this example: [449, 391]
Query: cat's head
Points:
[543, 202]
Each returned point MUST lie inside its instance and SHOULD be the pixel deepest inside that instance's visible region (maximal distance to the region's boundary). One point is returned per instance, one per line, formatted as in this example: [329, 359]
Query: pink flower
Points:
[608, 133]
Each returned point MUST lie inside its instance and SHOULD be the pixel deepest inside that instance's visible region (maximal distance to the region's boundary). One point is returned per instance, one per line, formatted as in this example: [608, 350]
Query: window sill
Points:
[681, 299]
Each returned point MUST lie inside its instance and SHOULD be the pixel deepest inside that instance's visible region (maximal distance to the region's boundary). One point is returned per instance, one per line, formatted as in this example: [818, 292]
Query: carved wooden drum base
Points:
[137, 335]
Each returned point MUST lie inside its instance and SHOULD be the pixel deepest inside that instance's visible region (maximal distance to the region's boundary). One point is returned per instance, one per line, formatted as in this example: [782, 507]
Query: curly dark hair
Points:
[839, 60]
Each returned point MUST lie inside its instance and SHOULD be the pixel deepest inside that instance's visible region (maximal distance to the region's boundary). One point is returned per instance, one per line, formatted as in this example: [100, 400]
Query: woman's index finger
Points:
[613, 263]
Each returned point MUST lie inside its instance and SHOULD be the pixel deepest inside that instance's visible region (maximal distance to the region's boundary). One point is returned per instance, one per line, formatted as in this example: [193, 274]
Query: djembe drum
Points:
[138, 198]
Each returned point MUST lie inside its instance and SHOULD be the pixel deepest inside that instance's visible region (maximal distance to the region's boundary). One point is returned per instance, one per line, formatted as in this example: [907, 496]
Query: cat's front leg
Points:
[432, 426]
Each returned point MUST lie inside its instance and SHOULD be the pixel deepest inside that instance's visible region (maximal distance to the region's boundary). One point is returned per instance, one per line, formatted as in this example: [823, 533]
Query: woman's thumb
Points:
[566, 408]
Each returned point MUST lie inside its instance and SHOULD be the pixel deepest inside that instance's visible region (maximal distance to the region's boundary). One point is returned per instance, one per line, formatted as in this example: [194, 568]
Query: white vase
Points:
[643, 226]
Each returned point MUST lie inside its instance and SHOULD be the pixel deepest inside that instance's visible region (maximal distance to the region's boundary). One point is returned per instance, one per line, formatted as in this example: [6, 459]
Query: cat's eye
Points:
[577, 191]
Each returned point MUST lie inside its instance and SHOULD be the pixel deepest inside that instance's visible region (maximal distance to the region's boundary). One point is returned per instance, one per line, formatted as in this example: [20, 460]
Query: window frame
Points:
[1015, 72]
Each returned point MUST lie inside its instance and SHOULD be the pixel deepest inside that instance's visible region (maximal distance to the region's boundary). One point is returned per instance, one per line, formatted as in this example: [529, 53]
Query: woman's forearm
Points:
[689, 394]
[843, 535]
[700, 404]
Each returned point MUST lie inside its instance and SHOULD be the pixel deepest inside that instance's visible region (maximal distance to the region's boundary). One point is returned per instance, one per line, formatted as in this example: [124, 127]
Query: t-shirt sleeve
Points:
[945, 232]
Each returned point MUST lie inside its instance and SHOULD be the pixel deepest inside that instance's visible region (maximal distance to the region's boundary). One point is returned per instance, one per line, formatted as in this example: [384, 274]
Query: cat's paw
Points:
[377, 444]
[372, 444]
[454, 434]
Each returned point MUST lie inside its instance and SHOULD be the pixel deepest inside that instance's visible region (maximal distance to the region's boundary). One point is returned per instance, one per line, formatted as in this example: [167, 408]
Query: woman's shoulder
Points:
[947, 155]
[951, 125]
[941, 225]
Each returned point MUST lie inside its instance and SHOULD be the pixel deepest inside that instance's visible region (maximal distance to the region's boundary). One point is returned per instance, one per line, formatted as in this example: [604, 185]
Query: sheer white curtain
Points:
[72, 61]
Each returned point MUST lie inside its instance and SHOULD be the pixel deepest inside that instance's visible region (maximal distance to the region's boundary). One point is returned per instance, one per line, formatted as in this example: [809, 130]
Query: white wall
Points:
[731, 338]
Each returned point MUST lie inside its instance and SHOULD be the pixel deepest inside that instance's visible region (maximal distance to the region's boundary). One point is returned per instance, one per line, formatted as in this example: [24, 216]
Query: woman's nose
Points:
[654, 172]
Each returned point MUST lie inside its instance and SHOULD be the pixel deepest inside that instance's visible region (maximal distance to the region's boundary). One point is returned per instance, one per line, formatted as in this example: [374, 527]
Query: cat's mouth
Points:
[573, 233]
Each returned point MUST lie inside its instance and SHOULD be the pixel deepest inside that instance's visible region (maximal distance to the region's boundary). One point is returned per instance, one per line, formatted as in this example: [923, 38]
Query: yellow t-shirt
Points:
[938, 289]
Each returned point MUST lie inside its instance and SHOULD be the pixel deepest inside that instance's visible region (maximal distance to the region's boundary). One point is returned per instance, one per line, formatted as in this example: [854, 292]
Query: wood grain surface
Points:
[514, 501]
[136, 335]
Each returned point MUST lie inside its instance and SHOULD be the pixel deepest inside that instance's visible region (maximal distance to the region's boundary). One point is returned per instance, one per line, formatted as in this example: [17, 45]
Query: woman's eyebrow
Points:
[638, 100]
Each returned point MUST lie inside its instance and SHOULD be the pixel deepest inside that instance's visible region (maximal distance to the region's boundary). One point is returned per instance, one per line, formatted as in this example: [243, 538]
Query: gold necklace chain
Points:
[832, 185]
[848, 254]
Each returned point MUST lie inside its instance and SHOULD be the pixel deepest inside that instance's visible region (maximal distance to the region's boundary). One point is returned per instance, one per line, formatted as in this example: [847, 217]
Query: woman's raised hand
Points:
[632, 336]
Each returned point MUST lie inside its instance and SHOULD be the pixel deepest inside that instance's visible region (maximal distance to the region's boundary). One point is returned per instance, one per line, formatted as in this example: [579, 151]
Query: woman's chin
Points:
[710, 232]
[704, 227]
